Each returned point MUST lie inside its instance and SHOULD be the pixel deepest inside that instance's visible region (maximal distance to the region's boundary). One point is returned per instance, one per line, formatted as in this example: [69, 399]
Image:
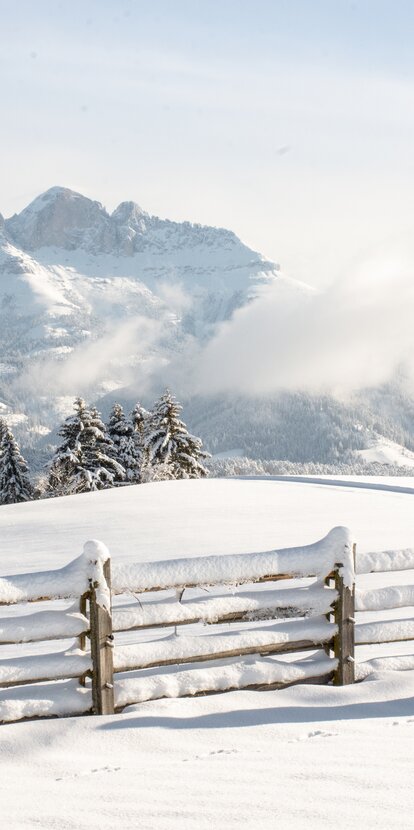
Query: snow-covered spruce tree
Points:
[104, 470]
[139, 415]
[157, 472]
[167, 442]
[66, 460]
[3, 430]
[139, 420]
[126, 450]
[15, 484]
[85, 461]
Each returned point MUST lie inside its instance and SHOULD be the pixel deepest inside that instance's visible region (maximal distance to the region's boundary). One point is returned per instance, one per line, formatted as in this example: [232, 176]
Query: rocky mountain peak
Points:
[55, 218]
[128, 213]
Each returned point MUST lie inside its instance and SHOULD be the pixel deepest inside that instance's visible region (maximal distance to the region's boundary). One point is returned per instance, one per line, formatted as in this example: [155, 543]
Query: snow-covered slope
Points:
[387, 452]
[306, 757]
[168, 519]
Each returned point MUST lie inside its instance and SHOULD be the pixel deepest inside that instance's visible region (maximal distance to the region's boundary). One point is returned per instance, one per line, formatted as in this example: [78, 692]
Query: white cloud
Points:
[357, 333]
[113, 354]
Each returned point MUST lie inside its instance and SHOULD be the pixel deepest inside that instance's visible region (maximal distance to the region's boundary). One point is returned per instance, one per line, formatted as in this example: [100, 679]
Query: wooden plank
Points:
[101, 652]
[384, 599]
[262, 650]
[280, 612]
[318, 680]
[344, 640]
[155, 588]
[44, 638]
[391, 631]
[29, 682]
[136, 589]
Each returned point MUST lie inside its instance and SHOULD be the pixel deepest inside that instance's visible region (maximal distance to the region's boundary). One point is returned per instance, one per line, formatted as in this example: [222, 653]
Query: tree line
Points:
[149, 445]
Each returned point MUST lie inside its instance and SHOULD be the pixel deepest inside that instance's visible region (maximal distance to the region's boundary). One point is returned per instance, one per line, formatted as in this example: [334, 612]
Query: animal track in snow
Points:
[402, 722]
[318, 733]
[88, 772]
[213, 752]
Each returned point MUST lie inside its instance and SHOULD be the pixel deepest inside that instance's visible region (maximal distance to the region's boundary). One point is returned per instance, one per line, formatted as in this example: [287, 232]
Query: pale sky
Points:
[289, 121]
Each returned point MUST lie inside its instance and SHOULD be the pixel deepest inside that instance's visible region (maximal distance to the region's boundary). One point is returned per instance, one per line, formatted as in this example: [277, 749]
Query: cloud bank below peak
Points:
[357, 333]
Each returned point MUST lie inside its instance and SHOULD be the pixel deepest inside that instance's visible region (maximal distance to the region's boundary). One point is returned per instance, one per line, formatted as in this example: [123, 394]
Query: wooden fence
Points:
[100, 674]
[243, 614]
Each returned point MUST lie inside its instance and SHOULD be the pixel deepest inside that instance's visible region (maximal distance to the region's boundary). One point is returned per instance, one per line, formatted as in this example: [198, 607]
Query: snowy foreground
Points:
[302, 757]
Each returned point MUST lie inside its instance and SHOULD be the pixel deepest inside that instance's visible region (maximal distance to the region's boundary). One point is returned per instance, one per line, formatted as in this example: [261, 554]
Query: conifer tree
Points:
[125, 446]
[15, 484]
[3, 430]
[139, 416]
[85, 461]
[167, 441]
[140, 419]
[65, 462]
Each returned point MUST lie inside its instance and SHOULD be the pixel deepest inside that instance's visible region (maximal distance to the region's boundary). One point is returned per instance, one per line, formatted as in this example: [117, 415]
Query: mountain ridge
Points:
[59, 215]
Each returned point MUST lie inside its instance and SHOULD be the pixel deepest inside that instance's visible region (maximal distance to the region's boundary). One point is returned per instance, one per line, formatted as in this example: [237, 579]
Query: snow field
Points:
[299, 758]
[303, 757]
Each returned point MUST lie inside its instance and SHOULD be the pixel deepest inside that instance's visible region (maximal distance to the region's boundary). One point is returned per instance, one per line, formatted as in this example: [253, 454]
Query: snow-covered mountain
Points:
[87, 298]
[72, 257]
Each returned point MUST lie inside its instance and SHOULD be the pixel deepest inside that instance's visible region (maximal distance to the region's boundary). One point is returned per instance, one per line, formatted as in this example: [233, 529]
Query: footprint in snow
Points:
[87, 772]
[318, 733]
[209, 754]
[401, 722]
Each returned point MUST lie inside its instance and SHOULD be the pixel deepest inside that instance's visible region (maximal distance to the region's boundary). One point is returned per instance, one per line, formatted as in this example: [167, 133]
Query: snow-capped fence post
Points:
[344, 640]
[101, 649]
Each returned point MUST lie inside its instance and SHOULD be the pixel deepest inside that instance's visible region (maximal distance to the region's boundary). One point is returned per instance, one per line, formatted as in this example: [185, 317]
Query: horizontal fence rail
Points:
[246, 607]
[386, 598]
[384, 631]
[290, 637]
[40, 667]
[45, 625]
[382, 599]
[257, 674]
[313, 560]
[385, 561]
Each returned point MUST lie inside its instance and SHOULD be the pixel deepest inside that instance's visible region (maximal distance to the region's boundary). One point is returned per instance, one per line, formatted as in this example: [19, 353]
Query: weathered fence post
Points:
[344, 641]
[101, 651]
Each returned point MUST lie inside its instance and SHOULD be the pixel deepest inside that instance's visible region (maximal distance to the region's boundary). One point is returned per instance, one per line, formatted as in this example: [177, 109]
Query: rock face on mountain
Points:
[58, 217]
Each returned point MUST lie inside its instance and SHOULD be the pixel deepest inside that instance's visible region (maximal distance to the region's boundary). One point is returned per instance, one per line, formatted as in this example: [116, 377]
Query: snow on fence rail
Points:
[384, 598]
[106, 675]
